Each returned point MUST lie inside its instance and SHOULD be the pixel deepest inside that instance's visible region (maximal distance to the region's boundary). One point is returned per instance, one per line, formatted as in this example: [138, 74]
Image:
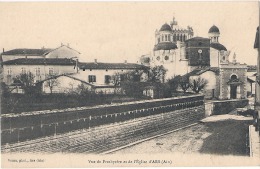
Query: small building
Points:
[211, 75]
[233, 80]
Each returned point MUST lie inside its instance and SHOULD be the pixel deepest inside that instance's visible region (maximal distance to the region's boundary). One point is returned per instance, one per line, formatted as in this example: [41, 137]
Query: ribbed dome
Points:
[214, 29]
[166, 27]
[165, 46]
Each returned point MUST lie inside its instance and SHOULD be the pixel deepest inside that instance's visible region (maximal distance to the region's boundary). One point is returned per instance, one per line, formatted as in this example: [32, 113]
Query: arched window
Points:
[184, 37]
[178, 37]
[169, 37]
[158, 40]
[162, 38]
[165, 37]
[174, 38]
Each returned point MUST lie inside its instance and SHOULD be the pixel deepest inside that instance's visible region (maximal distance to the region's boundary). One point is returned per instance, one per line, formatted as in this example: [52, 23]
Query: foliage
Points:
[127, 82]
[4, 90]
[26, 81]
[198, 84]
[157, 74]
[174, 83]
[184, 84]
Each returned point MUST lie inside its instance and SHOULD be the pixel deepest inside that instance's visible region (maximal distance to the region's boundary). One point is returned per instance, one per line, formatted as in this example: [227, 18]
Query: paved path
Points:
[222, 135]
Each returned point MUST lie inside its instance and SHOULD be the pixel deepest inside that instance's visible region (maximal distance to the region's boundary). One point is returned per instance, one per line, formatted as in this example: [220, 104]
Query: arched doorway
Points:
[233, 91]
[233, 87]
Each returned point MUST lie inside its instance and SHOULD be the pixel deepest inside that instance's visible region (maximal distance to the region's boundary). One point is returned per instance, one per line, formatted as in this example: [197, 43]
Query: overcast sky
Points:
[116, 31]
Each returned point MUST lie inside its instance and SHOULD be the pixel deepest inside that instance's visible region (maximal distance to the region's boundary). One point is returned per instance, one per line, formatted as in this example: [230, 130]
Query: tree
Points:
[129, 79]
[174, 83]
[51, 82]
[157, 74]
[26, 80]
[197, 84]
[184, 84]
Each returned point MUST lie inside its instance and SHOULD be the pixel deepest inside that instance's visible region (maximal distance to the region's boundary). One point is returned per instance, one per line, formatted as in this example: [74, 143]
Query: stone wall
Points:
[32, 125]
[224, 106]
[110, 136]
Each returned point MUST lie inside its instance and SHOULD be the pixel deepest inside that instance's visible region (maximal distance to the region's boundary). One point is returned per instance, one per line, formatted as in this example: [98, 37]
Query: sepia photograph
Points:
[130, 84]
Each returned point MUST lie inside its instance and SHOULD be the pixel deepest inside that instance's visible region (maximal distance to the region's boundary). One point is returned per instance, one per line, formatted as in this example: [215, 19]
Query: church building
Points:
[182, 54]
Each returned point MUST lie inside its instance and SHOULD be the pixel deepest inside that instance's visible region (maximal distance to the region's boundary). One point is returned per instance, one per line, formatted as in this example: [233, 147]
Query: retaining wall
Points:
[224, 106]
[32, 125]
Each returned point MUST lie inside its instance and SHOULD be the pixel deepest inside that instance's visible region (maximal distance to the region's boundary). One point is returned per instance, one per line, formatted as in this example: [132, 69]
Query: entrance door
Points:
[233, 92]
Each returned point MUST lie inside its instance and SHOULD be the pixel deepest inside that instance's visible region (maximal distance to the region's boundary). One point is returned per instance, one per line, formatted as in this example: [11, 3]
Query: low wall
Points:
[224, 106]
[110, 136]
[31, 125]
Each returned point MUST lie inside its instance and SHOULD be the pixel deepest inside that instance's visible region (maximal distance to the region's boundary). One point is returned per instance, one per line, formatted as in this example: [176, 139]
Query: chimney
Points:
[3, 50]
[95, 60]
[125, 61]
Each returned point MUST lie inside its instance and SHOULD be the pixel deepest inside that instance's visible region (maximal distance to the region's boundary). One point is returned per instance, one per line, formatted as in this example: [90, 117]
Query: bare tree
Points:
[51, 82]
[198, 84]
[184, 84]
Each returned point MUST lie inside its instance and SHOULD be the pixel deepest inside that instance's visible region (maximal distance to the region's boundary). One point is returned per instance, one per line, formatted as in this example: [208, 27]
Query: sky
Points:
[119, 31]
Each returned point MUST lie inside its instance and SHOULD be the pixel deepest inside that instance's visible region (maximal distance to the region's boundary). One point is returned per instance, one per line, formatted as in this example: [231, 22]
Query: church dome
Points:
[165, 46]
[166, 27]
[218, 46]
[214, 29]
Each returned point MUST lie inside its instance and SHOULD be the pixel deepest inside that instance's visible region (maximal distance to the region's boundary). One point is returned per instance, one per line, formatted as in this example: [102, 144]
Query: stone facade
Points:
[233, 80]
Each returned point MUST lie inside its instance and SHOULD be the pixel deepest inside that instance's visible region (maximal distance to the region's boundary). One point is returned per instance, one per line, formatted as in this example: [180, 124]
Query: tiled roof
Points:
[99, 65]
[40, 61]
[218, 46]
[165, 46]
[70, 75]
[200, 71]
[27, 52]
[251, 68]
[51, 50]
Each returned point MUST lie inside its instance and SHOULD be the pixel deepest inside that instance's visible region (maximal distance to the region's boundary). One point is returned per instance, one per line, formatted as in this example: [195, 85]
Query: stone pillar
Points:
[238, 92]
[228, 92]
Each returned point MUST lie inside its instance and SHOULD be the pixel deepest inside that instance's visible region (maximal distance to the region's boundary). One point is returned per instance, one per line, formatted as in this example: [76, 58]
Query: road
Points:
[220, 135]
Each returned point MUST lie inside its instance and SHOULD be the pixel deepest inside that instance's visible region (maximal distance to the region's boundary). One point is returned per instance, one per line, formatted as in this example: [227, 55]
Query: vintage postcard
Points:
[129, 84]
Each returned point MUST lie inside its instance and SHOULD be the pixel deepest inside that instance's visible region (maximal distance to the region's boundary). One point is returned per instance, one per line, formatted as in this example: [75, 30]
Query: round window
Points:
[158, 58]
[166, 57]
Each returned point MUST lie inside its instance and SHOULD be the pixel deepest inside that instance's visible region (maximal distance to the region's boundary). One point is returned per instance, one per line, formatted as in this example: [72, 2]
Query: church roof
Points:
[256, 45]
[166, 27]
[40, 61]
[27, 52]
[218, 46]
[214, 29]
[165, 46]
[199, 71]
